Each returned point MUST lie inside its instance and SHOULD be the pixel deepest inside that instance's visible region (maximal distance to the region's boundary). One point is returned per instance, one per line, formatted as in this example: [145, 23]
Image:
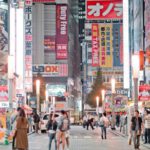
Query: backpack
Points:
[101, 122]
[64, 125]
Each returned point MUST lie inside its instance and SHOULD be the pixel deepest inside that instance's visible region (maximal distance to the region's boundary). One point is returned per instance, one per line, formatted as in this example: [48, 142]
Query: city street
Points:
[81, 139]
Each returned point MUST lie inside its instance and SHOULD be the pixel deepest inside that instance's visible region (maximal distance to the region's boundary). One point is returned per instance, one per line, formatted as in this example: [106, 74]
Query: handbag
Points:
[13, 140]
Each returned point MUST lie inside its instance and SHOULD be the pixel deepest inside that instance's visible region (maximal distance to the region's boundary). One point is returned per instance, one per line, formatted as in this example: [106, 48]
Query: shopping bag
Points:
[130, 140]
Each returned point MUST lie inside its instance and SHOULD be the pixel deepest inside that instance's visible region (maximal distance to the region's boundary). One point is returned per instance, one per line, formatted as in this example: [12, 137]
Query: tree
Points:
[96, 90]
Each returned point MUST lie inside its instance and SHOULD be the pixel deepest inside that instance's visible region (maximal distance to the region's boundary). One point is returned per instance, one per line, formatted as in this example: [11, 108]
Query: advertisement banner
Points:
[28, 83]
[3, 52]
[49, 43]
[104, 9]
[95, 45]
[61, 32]
[117, 45]
[32, 102]
[106, 49]
[51, 70]
[3, 93]
[59, 91]
[144, 92]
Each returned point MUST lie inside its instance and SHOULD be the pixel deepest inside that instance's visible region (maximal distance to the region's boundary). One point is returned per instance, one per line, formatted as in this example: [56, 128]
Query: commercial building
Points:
[102, 43]
[56, 55]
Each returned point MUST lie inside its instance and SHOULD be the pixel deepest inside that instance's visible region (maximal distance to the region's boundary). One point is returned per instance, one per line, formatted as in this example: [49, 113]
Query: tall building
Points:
[56, 55]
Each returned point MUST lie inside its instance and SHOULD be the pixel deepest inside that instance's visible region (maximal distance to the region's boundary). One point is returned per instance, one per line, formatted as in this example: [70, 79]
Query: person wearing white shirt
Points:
[104, 123]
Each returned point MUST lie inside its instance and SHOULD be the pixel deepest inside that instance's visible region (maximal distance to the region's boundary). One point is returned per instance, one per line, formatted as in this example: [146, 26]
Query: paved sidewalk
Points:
[117, 132]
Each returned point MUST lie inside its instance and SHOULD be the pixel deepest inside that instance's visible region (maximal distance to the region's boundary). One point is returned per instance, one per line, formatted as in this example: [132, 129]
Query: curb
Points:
[125, 136]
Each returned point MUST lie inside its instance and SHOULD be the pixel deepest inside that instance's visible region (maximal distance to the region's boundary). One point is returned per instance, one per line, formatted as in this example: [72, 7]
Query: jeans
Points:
[147, 135]
[103, 132]
[51, 137]
[136, 139]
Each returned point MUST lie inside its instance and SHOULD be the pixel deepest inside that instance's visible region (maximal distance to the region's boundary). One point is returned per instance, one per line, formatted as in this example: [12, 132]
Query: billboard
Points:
[117, 44]
[4, 93]
[105, 45]
[51, 70]
[49, 43]
[144, 92]
[104, 9]
[95, 45]
[56, 90]
[110, 45]
[61, 32]
[3, 51]
[28, 46]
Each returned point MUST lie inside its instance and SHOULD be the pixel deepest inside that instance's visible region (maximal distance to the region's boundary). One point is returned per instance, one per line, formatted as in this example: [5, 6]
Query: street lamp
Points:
[38, 95]
[135, 73]
[103, 99]
[97, 104]
[113, 84]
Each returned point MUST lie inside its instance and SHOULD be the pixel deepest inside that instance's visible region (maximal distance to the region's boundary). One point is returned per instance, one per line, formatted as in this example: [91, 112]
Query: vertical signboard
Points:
[28, 46]
[3, 51]
[117, 45]
[61, 32]
[95, 45]
[106, 56]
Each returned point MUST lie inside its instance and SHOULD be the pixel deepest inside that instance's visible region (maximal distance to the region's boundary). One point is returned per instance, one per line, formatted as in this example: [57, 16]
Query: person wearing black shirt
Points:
[136, 127]
[51, 129]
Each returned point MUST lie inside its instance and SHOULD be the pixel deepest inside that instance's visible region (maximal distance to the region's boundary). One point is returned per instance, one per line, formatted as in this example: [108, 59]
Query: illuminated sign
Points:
[28, 46]
[61, 31]
[104, 9]
[53, 70]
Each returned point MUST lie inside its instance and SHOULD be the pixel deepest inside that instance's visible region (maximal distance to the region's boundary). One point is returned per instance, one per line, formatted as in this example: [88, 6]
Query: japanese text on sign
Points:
[101, 9]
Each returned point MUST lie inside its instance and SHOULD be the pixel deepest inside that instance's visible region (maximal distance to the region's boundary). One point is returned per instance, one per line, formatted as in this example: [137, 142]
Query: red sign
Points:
[3, 93]
[49, 43]
[61, 32]
[95, 45]
[104, 9]
[144, 92]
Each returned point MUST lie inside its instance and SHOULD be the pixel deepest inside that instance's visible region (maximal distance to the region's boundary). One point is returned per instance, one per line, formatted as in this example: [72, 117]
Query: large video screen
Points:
[56, 90]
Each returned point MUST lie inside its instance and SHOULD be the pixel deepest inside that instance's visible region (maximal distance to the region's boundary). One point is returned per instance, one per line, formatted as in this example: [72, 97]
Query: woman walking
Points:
[51, 128]
[21, 131]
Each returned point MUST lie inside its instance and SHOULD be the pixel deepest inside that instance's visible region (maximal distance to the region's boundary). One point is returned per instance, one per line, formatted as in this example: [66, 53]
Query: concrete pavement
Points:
[81, 139]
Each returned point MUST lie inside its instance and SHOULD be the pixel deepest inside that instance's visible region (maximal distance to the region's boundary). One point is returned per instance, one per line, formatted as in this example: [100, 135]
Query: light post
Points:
[113, 83]
[54, 102]
[135, 73]
[103, 99]
[38, 95]
[97, 105]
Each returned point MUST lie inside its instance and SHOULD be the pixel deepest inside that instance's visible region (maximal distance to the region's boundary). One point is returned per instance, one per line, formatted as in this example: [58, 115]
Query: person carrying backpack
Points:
[63, 127]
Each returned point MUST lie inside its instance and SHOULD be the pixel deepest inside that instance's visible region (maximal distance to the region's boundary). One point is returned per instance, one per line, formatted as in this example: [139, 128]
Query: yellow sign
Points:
[106, 47]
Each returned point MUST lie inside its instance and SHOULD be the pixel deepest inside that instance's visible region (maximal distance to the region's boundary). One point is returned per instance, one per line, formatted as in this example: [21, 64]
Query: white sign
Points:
[4, 104]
